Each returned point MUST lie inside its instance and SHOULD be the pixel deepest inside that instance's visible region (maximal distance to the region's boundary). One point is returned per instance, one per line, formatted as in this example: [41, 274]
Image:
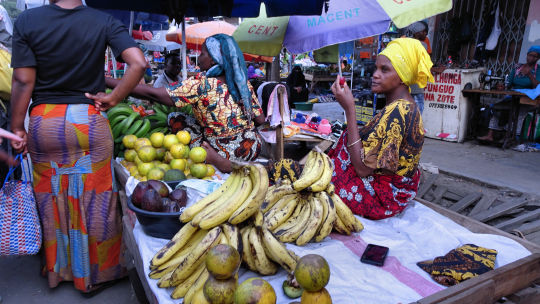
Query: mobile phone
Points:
[374, 255]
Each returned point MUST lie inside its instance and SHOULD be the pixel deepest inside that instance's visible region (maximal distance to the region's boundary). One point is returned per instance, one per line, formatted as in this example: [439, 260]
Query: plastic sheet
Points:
[417, 235]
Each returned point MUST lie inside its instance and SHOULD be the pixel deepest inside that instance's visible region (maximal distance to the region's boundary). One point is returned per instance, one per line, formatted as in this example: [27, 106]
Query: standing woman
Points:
[297, 85]
[58, 56]
[376, 167]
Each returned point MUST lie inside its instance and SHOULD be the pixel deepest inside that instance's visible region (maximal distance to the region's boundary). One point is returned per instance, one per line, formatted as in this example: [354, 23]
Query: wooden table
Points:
[517, 99]
[314, 79]
[486, 288]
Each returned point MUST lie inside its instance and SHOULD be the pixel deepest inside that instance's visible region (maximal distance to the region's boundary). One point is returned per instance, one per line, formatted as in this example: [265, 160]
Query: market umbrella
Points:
[158, 43]
[345, 20]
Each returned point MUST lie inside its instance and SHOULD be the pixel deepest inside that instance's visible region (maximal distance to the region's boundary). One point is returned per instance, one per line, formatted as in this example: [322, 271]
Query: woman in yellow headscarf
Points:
[376, 167]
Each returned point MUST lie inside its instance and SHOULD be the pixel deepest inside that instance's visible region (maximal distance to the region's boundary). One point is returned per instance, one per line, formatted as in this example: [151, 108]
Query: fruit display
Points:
[153, 195]
[308, 209]
[222, 262]
[313, 273]
[255, 291]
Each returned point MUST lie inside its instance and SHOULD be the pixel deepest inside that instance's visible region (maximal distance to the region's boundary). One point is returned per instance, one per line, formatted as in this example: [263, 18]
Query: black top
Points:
[67, 48]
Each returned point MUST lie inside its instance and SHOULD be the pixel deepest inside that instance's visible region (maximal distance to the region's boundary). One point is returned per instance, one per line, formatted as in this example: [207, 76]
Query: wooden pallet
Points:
[519, 215]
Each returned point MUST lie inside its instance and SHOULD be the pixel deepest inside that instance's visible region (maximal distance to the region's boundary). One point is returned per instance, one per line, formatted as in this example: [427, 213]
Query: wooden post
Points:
[279, 130]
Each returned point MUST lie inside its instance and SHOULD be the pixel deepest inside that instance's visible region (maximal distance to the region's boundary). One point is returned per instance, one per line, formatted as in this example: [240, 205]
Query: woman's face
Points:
[532, 57]
[205, 60]
[385, 78]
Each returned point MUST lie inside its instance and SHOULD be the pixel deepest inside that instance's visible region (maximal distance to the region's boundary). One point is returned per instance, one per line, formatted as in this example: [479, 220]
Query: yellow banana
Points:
[277, 250]
[346, 215]
[258, 219]
[198, 285]
[313, 223]
[326, 176]
[262, 263]
[221, 215]
[324, 213]
[340, 228]
[190, 263]
[328, 221]
[280, 215]
[247, 257]
[233, 236]
[272, 197]
[175, 244]
[290, 235]
[181, 290]
[165, 280]
[259, 177]
[190, 212]
[330, 189]
[312, 175]
[220, 202]
[293, 219]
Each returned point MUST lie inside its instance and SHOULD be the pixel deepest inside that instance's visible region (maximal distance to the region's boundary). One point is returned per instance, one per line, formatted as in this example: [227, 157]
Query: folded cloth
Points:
[285, 168]
[460, 264]
[531, 93]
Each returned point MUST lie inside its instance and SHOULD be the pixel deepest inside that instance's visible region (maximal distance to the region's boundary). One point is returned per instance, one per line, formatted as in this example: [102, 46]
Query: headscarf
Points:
[410, 60]
[251, 72]
[534, 48]
[417, 27]
[296, 77]
[230, 60]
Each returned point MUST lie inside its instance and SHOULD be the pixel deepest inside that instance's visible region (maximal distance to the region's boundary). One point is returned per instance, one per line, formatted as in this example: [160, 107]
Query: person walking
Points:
[170, 73]
[58, 58]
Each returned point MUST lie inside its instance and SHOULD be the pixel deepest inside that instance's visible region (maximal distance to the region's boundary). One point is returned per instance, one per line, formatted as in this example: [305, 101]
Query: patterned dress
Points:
[219, 120]
[71, 150]
[392, 143]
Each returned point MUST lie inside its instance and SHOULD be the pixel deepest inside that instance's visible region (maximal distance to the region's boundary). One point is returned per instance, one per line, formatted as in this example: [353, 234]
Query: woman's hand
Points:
[343, 95]
[4, 157]
[103, 101]
[18, 141]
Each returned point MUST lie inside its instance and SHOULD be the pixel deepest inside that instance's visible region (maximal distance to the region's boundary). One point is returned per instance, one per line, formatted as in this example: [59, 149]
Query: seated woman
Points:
[376, 167]
[297, 86]
[523, 76]
[224, 104]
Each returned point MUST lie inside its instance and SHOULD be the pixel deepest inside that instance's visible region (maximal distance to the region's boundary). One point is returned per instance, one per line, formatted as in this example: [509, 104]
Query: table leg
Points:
[510, 137]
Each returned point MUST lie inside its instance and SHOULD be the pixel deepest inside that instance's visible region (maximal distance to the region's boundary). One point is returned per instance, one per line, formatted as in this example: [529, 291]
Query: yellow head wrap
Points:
[410, 60]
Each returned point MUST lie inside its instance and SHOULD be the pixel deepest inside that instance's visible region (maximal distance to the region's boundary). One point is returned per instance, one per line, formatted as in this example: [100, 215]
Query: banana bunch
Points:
[180, 263]
[236, 200]
[317, 173]
[262, 252]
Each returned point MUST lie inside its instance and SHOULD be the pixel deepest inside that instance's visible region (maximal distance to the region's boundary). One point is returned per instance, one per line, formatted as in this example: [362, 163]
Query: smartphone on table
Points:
[374, 255]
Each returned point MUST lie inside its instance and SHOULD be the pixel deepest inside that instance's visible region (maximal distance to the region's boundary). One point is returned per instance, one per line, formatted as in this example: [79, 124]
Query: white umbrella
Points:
[159, 43]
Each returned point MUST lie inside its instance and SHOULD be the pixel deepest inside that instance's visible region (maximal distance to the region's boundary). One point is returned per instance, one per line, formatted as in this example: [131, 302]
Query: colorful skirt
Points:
[377, 196]
[71, 147]
[244, 146]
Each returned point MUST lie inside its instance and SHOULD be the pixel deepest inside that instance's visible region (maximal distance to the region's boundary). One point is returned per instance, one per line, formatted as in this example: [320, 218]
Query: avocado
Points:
[174, 175]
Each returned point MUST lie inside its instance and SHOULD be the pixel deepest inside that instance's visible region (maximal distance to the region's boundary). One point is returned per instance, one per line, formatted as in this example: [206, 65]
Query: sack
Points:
[531, 128]
[20, 230]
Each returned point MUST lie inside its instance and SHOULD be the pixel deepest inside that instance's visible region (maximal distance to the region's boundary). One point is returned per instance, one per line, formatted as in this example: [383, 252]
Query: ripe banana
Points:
[219, 203]
[313, 223]
[272, 197]
[189, 213]
[277, 250]
[258, 220]
[326, 176]
[328, 221]
[165, 280]
[346, 215]
[198, 285]
[314, 172]
[178, 241]
[182, 288]
[221, 215]
[293, 219]
[290, 235]
[340, 228]
[259, 178]
[190, 263]
[233, 236]
[247, 257]
[276, 217]
[330, 189]
[262, 263]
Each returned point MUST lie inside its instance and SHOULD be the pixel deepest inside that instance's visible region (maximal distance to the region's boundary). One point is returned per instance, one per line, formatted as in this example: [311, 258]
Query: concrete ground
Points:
[20, 281]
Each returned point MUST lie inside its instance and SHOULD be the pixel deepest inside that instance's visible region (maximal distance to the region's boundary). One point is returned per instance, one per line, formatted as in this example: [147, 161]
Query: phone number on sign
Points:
[442, 106]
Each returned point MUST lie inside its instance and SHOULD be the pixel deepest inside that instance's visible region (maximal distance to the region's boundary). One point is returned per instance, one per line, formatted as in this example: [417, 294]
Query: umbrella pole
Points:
[352, 63]
[184, 67]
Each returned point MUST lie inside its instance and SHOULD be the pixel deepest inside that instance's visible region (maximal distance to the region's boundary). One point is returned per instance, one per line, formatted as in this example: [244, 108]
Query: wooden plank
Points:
[452, 196]
[474, 295]
[534, 238]
[499, 210]
[510, 224]
[476, 226]
[438, 194]
[529, 228]
[465, 202]
[131, 244]
[485, 202]
[527, 295]
[426, 185]
[505, 281]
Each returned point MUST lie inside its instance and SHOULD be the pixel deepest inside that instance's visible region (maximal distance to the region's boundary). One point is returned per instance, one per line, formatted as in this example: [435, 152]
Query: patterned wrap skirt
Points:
[245, 146]
[71, 147]
[376, 196]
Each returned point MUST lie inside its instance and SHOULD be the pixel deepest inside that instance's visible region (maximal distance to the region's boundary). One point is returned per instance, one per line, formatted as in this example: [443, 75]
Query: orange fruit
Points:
[198, 170]
[197, 154]
[129, 141]
[147, 153]
[157, 139]
[169, 140]
[183, 137]
[141, 142]
[210, 170]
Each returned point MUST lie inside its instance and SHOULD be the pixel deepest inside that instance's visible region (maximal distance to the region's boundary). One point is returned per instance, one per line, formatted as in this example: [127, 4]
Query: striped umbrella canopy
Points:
[345, 20]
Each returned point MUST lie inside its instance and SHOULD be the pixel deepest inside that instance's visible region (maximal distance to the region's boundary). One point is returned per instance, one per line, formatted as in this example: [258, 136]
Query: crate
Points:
[363, 114]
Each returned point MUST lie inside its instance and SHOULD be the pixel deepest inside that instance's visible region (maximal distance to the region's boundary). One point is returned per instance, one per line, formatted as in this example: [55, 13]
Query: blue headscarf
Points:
[229, 60]
[534, 48]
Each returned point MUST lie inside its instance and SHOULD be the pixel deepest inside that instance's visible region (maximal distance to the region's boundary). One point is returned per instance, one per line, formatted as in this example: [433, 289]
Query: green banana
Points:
[116, 130]
[129, 121]
[117, 119]
[144, 129]
[134, 127]
[155, 117]
[158, 124]
[112, 113]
